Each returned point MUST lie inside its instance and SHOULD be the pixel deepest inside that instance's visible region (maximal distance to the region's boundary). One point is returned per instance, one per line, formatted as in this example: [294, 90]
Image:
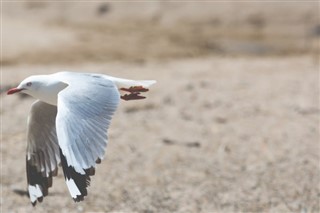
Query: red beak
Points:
[13, 90]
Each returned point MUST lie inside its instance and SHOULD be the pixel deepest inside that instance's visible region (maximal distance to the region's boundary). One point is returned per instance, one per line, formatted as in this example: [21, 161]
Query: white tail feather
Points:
[126, 83]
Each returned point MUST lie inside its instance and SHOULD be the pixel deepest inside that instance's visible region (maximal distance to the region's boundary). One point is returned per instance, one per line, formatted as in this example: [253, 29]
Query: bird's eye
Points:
[29, 84]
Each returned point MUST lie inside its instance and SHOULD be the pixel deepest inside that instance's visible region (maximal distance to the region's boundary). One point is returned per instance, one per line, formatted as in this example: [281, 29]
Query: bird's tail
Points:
[133, 87]
[126, 83]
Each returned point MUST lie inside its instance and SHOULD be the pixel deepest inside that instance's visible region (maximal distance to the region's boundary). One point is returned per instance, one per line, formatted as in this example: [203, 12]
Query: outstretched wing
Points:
[85, 108]
[42, 150]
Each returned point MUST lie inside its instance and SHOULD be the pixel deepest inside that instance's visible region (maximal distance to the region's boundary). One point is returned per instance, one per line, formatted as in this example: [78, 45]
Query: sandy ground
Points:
[231, 126]
[215, 134]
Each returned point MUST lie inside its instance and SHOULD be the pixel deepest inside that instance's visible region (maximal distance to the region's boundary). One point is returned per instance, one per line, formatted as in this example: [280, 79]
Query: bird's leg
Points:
[134, 93]
[135, 89]
[132, 96]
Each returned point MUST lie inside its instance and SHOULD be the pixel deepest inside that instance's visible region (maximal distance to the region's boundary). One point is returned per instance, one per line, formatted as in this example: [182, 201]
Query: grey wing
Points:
[85, 109]
[42, 150]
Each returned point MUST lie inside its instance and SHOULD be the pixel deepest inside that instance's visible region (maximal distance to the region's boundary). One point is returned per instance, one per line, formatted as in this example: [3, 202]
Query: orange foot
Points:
[132, 96]
[135, 89]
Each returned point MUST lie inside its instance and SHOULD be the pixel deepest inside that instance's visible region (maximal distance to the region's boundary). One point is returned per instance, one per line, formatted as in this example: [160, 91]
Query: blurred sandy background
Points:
[231, 126]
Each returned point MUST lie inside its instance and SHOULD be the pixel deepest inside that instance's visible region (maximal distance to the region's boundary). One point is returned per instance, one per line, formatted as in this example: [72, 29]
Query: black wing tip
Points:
[98, 161]
[35, 177]
[82, 181]
[79, 198]
[91, 171]
[39, 199]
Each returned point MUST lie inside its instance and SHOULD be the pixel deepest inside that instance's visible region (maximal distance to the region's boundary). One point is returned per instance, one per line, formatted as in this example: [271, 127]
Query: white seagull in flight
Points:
[68, 126]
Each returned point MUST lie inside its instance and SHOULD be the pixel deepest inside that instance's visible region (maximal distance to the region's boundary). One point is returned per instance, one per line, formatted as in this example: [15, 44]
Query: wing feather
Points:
[85, 109]
[42, 150]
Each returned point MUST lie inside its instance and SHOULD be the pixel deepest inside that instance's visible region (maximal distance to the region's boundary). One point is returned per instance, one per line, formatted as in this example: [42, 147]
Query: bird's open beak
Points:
[13, 90]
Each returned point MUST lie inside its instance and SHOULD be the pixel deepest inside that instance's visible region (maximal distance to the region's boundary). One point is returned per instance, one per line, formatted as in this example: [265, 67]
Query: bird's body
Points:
[68, 125]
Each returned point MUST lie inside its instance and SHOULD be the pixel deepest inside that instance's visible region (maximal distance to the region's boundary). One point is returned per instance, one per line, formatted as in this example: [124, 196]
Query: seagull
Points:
[67, 126]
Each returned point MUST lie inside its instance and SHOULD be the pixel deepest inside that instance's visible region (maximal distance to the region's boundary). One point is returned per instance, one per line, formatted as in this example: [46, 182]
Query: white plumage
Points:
[68, 125]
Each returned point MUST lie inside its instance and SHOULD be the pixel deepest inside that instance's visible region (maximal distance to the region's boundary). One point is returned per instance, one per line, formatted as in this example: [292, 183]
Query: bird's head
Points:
[29, 85]
[43, 87]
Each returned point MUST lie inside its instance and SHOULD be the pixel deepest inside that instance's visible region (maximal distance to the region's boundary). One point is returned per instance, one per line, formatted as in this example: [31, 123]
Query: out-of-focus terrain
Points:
[231, 126]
